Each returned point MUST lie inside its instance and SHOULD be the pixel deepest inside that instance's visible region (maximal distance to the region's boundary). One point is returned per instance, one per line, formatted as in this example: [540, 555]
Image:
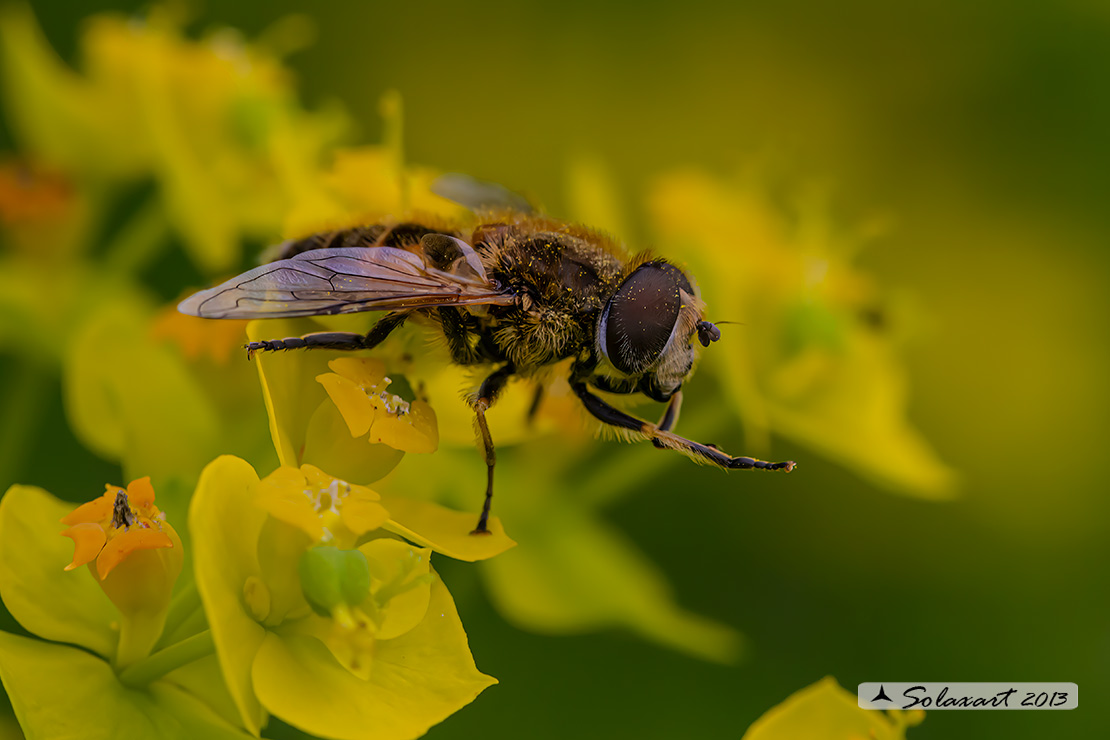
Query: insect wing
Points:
[478, 195]
[342, 280]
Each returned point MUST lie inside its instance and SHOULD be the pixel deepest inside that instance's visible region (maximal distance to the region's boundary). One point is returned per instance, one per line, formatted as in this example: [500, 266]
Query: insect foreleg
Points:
[670, 417]
[336, 340]
[670, 414]
[487, 394]
[615, 417]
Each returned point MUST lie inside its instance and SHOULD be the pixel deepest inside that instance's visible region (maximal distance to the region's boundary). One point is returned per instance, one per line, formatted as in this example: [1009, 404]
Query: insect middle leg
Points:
[337, 340]
[487, 394]
[666, 439]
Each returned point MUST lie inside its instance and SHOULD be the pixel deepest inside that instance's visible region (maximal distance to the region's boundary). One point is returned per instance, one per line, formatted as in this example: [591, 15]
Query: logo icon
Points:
[881, 696]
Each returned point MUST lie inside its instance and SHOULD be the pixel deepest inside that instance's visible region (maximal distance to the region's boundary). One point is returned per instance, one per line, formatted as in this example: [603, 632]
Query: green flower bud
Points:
[331, 577]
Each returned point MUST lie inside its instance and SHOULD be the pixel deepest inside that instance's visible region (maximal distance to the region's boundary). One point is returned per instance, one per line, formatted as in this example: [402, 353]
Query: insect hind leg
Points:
[335, 340]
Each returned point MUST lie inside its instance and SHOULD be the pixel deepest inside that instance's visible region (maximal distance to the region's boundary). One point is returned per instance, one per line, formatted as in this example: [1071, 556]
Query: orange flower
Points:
[199, 339]
[120, 522]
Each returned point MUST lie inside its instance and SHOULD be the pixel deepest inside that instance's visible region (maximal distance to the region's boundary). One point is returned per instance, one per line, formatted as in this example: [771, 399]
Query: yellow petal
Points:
[60, 691]
[367, 372]
[329, 445]
[283, 495]
[351, 400]
[225, 528]
[291, 397]
[44, 599]
[416, 680]
[444, 530]
[416, 431]
[88, 541]
[362, 515]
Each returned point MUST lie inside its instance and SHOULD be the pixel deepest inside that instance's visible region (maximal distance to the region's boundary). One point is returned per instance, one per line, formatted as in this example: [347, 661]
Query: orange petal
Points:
[136, 538]
[97, 510]
[140, 493]
[88, 541]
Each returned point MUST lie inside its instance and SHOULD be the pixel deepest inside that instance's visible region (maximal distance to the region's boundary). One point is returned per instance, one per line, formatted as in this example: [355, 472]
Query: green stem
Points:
[195, 622]
[20, 415]
[140, 240]
[162, 662]
[186, 602]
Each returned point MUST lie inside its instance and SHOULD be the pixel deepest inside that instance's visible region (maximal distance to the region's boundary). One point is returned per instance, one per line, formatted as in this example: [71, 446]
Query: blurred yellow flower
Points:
[813, 360]
[138, 394]
[824, 711]
[213, 121]
[365, 184]
[574, 572]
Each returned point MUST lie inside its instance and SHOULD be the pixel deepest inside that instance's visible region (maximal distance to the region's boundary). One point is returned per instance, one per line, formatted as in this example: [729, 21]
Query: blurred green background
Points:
[981, 132]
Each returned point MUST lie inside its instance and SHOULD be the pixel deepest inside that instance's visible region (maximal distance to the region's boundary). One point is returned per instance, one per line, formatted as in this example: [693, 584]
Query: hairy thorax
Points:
[563, 281]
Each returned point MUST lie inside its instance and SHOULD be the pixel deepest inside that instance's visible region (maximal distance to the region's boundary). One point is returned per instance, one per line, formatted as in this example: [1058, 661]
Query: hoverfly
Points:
[513, 291]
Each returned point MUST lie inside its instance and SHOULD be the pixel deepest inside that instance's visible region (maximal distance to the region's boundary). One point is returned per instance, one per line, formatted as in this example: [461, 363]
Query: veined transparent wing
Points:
[342, 280]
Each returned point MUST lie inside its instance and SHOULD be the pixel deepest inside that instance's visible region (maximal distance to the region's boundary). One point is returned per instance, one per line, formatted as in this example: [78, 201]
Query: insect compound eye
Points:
[641, 316]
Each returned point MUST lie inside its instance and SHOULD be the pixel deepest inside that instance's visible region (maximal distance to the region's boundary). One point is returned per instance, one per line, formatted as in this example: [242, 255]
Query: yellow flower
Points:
[370, 632]
[358, 387]
[327, 509]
